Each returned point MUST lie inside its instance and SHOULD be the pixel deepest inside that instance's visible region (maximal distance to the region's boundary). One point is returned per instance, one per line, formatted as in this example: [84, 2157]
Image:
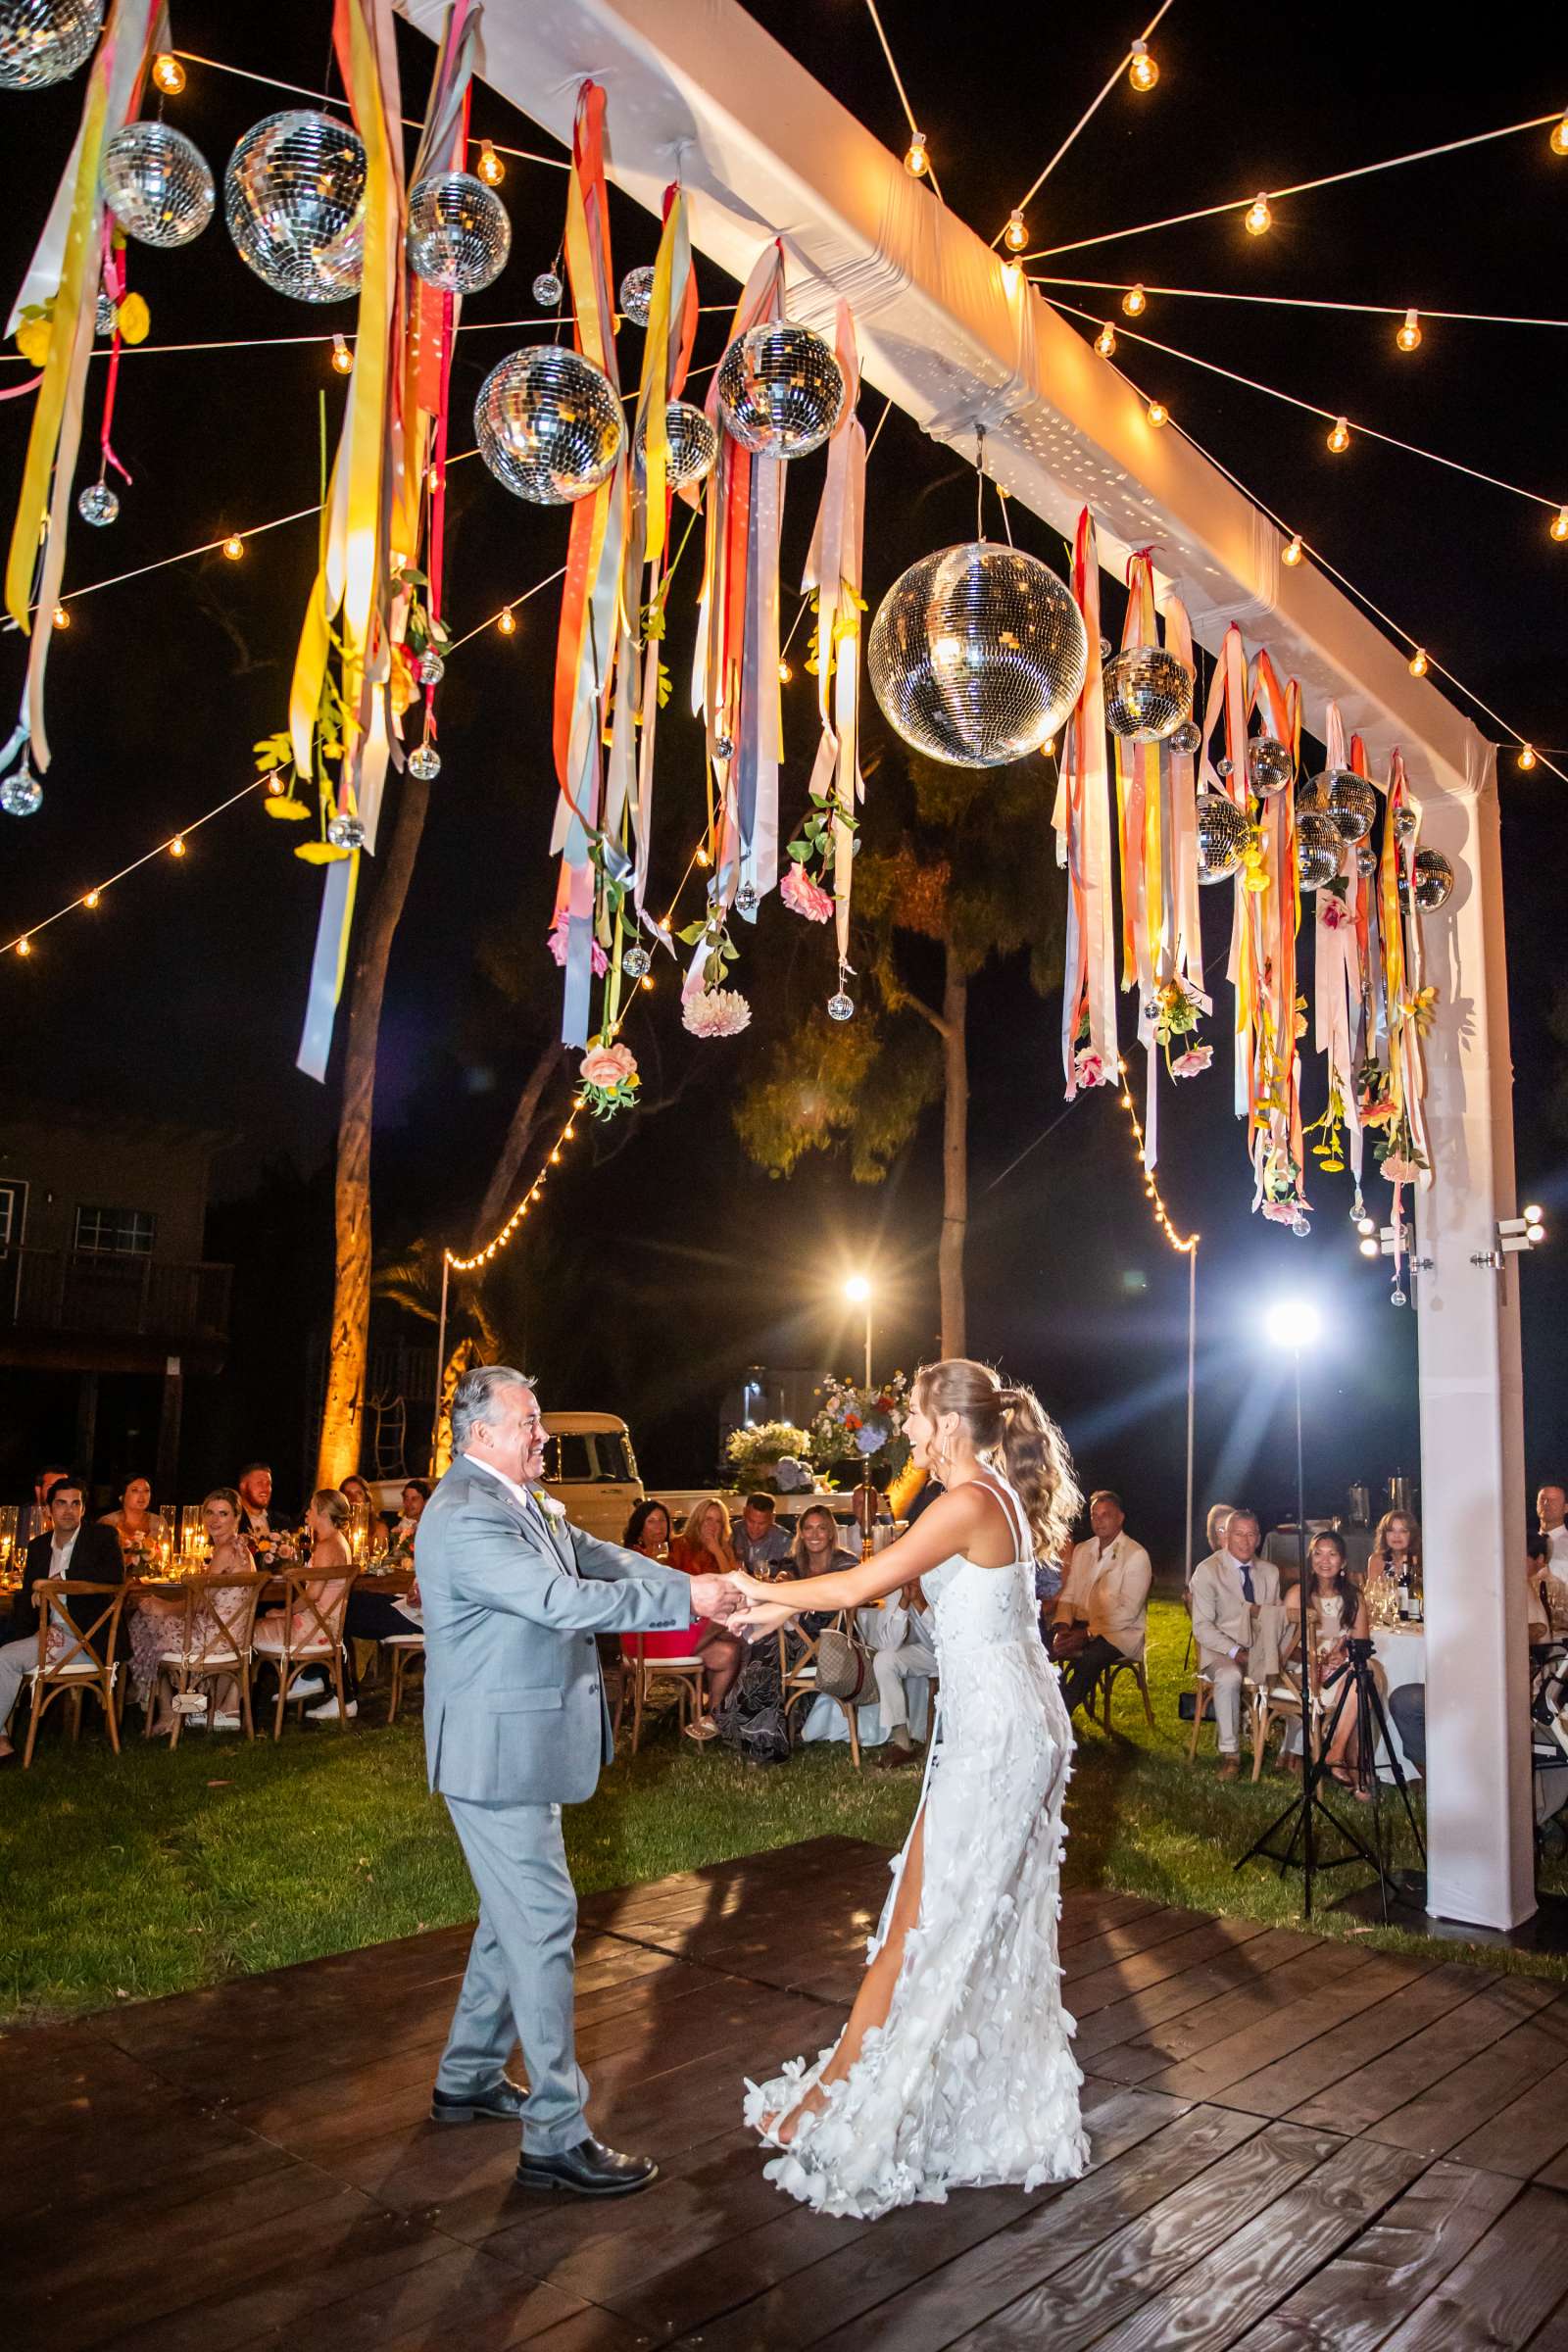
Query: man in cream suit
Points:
[1226, 1589]
[516, 1727]
[1103, 1602]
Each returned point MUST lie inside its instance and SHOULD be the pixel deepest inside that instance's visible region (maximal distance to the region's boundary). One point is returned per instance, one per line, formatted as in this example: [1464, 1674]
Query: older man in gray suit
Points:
[516, 1727]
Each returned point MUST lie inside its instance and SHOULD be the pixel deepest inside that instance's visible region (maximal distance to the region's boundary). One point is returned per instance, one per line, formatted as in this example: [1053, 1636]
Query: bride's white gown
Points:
[971, 2080]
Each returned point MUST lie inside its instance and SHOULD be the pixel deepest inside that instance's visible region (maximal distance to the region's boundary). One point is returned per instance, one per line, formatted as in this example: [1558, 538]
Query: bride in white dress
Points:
[955, 2067]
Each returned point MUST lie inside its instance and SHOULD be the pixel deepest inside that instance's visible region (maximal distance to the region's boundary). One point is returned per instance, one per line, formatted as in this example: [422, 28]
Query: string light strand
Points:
[1290, 302]
[270, 82]
[1134, 49]
[1184, 1243]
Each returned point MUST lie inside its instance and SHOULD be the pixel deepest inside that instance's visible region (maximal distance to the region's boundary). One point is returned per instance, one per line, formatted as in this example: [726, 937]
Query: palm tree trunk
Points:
[342, 1421]
[955, 1155]
[525, 1119]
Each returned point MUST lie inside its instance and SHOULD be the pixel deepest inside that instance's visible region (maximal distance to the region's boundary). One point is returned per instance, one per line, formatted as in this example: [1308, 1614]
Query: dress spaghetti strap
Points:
[1013, 1504]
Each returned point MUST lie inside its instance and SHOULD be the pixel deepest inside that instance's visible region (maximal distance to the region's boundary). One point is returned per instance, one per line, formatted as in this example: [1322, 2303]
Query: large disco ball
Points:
[294, 200]
[1432, 880]
[459, 234]
[1222, 830]
[157, 184]
[549, 423]
[781, 390]
[1317, 850]
[693, 445]
[1352, 802]
[1269, 766]
[977, 653]
[1148, 693]
[45, 40]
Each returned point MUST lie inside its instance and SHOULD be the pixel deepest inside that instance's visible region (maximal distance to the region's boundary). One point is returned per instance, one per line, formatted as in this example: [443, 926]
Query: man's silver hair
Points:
[474, 1394]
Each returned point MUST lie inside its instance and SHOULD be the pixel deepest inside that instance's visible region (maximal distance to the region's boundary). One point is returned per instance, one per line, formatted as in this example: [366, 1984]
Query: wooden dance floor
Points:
[1294, 2143]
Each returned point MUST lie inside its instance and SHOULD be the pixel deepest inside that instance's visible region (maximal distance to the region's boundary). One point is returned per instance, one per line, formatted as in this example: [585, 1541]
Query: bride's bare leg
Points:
[875, 1996]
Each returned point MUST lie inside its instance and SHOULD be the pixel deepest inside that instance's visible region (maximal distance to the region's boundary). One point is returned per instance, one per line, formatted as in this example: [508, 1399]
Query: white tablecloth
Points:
[1401, 1652]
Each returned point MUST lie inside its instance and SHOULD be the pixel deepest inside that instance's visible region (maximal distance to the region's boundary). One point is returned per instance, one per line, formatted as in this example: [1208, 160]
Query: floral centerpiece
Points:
[863, 1426]
[756, 1453]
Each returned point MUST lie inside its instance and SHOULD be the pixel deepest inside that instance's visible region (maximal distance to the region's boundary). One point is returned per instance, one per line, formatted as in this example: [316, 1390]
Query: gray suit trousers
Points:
[517, 1985]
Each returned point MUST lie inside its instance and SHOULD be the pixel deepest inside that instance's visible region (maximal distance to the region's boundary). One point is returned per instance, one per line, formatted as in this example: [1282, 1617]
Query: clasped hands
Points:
[742, 1603]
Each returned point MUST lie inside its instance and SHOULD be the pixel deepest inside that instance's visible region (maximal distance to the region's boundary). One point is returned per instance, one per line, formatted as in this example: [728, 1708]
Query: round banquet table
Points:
[1401, 1652]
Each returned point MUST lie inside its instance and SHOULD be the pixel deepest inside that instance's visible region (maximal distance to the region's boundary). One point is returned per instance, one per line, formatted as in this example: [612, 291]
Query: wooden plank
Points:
[1130, 2019]
[1286, 2082]
[1386, 2083]
[461, 2297]
[1449, 2112]
[1101, 1987]
[1353, 2301]
[1504, 2287]
[1228, 2060]
[1179, 2038]
[1257, 2266]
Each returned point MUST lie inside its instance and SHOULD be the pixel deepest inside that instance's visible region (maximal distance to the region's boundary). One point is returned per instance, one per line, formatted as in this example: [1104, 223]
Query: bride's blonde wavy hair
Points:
[1013, 1425]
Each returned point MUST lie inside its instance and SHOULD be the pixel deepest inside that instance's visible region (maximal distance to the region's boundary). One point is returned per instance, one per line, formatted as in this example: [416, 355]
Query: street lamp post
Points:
[858, 1292]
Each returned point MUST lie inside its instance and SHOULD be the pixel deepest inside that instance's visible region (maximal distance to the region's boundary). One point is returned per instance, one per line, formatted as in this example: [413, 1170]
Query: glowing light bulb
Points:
[1418, 663]
[1048, 750]
[23, 947]
[1527, 755]
[1010, 275]
[342, 357]
[168, 74]
[1291, 553]
[1559, 138]
[785, 672]
[1135, 301]
[61, 618]
[1368, 1247]
[506, 623]
[1257, 220]
[1535, 1214]
[702, 858]
[176, 848]
[571, 1133]
[491, 169]
[1409, 334]
[1559, 525]
[1141, 70]
[916, 162]
[91, 900]
[555, 1157]
[1339, 437]
[233, 547]
[1158, 413]
[648, 980]
[1015, 236]
[1105, 342]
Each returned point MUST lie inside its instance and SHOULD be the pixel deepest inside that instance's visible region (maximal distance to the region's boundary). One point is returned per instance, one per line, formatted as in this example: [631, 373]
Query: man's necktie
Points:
[1248, 1594]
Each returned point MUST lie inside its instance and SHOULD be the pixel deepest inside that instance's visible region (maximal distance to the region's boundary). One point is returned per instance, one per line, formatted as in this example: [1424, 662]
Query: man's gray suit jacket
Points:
[515, 1709]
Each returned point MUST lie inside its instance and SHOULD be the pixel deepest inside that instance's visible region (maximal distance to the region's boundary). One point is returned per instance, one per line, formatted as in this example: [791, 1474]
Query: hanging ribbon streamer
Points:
[1275, 1135]
[1082, 816]
[1407, 999]
[64, 272]
[1336, 986]
[833, 572]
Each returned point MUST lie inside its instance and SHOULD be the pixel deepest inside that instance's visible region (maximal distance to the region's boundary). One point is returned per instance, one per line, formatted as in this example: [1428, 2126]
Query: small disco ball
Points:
[45, 40]
[1301, 1225]
[1317, 850]
[840, 1008]
[294, 200]
[1221, 836]
[157, 183]
[1188, 737]
[1352, 802]
[634, 961]
[723, 746]
[432, 669]
[1366, 859]
[1148, 694]
[693, 445]
[1432, 880]
[637, 295]
[98, 504]
[1269, 766]
[781, 390]
[459, 234]
[22, 795]
[549, 423]
[977, 653]
[1407, 821]
[424, 761]
[345, 832]
[548, 290]
[745, 900]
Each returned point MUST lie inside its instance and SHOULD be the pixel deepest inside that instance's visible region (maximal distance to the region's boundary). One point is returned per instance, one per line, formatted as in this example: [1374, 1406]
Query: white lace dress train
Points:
[971, 2080]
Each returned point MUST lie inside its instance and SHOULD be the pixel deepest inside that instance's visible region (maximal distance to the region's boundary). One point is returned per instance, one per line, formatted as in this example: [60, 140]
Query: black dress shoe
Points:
[589, 2170]
[502, 2103]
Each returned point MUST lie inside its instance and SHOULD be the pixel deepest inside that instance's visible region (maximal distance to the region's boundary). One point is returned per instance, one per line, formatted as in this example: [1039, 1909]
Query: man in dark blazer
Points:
[86, 1555]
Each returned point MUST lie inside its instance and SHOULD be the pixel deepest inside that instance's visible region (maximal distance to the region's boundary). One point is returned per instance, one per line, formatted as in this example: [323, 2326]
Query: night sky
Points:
[664, 1262]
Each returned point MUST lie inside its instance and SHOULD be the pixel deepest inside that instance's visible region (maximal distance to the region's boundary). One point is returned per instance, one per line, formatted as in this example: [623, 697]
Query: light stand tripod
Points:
[1359, 1678]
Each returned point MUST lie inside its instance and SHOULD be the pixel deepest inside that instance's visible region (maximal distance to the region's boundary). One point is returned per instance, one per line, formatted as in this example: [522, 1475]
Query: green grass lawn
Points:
[156, 1873]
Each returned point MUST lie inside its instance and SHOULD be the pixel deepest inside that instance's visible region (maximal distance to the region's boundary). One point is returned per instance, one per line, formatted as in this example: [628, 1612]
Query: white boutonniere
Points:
[548, 1503]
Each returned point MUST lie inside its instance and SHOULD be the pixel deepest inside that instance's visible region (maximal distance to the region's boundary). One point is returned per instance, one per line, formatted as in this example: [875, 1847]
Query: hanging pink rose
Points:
[1398, 1170]
[1089, 1067]
[802, 896]
[556, 943]
[1193, 1062]
[607, 1067]
[1282, 1212]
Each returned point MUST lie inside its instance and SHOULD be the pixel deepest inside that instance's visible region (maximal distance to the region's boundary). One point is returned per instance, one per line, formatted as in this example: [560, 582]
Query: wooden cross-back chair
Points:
[74, 1657]
[210, 1644]
[796, 1666]
[309, 1637]
[689, 1675]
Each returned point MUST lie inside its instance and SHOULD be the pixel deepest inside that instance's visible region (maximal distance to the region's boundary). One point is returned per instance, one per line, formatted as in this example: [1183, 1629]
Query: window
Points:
[567, 1458]
[116, 1232]
[13, 1214]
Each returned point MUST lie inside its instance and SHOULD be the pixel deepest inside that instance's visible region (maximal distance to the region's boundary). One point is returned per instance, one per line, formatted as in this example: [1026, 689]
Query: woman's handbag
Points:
[843, 1669]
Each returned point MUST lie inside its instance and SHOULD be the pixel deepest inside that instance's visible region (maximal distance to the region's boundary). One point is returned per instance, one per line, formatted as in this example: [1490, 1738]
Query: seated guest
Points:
[1335, 1613]
[369, 1616]
[326, 1524]
[1102, 1613]
[33, 1518]
[415, 1494]
[648, 1531]
[136, 1524]
[1545, 1594]
[258, 1521]
[1227, 1588]
[362, 1510]
[1408, 1708]
[897, 1631]
[1395, 1560]
[158, 1619]
[86, 1555]
[703, 1548]
[818, 1549]
[1551, 1511]
[758, 1542]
